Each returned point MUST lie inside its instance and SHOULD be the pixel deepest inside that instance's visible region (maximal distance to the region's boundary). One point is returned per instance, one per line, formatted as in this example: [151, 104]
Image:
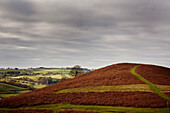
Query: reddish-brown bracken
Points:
[75, 111]
[118, 74]
[155, 74]
[31, 111]
[47, 111]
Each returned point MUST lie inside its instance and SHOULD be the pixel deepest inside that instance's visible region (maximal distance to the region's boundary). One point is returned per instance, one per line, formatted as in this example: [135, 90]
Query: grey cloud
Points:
[22, 7]
[91, 33]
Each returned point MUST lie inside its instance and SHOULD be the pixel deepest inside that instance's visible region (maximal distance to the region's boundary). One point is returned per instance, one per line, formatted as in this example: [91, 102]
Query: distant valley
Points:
[17, 81]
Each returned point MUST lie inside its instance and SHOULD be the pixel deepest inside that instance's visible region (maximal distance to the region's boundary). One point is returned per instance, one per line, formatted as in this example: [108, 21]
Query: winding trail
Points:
[154, 88]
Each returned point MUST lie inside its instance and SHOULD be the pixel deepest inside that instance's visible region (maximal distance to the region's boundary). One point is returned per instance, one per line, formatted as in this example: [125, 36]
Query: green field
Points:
[13, 94]
[102, 109]
[10, 87]
[134, 87]
[7, 90]
[3, 90]
[40, 73]
[54, 70]
[35, 77]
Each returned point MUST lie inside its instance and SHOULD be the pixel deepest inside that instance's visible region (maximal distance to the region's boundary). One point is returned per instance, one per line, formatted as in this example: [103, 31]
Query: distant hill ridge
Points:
[113, 75]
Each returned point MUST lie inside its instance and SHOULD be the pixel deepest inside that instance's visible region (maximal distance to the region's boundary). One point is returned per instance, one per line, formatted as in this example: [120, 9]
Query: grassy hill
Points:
[124, 87]
[7, 90]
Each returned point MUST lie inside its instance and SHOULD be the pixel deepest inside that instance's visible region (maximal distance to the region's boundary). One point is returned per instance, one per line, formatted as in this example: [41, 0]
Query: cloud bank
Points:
[91, 33]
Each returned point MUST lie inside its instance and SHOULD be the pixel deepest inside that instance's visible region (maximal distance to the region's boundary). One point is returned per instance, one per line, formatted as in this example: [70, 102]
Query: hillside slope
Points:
[113, 75]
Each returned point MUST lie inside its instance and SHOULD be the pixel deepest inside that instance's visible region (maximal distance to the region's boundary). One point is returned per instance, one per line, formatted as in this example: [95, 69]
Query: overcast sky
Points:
[90, 33]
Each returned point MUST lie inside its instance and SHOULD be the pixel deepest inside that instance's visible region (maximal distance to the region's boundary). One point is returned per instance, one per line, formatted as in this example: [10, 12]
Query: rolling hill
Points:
[7, 90]
[124, 87]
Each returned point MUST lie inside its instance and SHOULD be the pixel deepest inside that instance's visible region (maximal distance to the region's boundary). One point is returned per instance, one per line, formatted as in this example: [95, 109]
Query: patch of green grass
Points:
[7, 90]
[55, 70]
[39, 85]
[102, 109]
[23, 91]
[3, 90]
[133, 87]
[8, 95]
[164, 88]
[4, 110]
[154, 88]
[35, 77]
[4, 95]
[10, 87]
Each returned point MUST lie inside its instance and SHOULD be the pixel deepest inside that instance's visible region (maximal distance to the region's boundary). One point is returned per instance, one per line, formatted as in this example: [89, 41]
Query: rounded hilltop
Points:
[123, 84]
